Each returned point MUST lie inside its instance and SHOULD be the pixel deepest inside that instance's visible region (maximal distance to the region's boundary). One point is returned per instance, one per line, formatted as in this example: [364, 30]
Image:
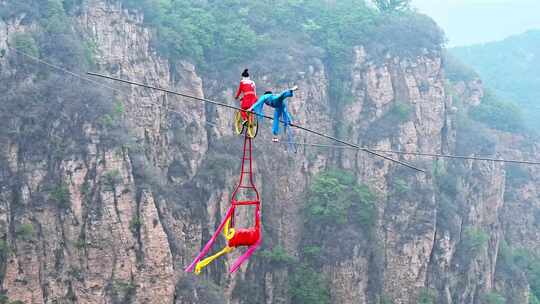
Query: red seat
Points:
[245, 237]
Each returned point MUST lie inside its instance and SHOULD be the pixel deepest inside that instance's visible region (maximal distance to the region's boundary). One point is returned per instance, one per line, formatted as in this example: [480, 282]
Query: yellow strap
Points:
[201, 264]
[228, 231]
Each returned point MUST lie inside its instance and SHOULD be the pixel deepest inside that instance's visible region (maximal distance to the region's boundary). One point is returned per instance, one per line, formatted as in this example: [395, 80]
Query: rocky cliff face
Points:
[139, 212]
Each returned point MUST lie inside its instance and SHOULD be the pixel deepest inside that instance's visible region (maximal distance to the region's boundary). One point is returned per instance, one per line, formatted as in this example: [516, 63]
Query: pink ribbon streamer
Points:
[245, 256]
[208, 245]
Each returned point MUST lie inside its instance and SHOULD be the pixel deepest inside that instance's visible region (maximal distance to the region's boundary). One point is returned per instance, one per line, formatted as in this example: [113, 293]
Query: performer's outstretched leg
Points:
[278, 113]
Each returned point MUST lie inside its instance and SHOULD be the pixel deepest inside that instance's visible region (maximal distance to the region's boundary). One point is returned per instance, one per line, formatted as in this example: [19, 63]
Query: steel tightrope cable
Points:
[265, 116]
[434, 155]
[344, 144]
[87, 79]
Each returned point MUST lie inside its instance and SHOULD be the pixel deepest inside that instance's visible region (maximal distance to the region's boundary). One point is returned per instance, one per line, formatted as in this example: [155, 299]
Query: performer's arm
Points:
[239, 91]
[258, 103]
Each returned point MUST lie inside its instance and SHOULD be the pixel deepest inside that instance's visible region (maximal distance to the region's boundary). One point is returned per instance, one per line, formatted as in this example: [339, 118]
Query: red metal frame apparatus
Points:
[248, 237]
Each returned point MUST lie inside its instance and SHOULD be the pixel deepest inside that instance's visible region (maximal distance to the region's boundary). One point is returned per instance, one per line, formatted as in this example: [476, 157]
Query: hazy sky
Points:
[475, 21]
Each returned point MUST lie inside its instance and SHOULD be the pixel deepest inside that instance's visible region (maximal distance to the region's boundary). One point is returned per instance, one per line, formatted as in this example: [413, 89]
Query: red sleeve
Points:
[239, 91]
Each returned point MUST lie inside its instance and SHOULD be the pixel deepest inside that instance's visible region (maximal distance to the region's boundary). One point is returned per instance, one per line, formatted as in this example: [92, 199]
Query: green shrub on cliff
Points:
[513, 262]
[533, 299]
[3, 247]
[474, 240]
[135, 224]
[402, 111]
[26, 43]
[111, 179]
[392, 5]
[277, 256]
[309, 286]
[427, 296]
[493, 298]
[405, 34]
[224, 32]
[517, 175]
[456, 70]
[25, 231]
[61, 196]
[335, 196]
[44, 118]
[510, 68]
[498, 114]
[533, 274]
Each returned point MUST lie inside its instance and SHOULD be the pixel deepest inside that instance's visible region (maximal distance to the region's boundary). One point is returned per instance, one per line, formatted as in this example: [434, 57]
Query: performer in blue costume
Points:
[279, 103]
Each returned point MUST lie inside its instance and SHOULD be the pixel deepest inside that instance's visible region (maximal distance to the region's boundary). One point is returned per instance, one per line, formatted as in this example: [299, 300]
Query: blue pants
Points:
[279, 104]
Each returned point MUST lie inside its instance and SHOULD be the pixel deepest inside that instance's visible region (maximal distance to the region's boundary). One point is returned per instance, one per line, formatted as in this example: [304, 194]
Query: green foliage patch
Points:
[510, 67]
[4, 299]
[111, 179]
[122, 291]
[493, 298]
[401, 185]
[474, 137]
[392, 5]
[43, 117]
[388, 125]
[498, 114]
[401, 112]
[336, 198]
[517, 175]
[222, 33]
[26, 43]
[135, 224]
[446, 180]
[474, 240]
[520, 260]
[4, 253]
[336, 205]
[533, 299]
[25, 231]
[385, 300]
[277, 256]
[405, 34]
[427, 296]
[4, 248]
[456, 70]
[309, 286]
[61, 196]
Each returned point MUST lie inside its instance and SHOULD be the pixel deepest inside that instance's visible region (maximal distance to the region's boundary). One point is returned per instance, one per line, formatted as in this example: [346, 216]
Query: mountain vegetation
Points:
[509, 68]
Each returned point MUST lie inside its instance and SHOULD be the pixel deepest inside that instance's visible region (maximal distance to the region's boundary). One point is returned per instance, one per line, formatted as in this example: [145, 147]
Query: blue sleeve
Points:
[258, 106]
[283, 95]
[259, 102]
[287, 93]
